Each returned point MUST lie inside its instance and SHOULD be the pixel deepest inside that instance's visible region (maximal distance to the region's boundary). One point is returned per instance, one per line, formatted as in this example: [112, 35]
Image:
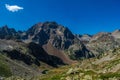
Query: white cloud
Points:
[13, 8]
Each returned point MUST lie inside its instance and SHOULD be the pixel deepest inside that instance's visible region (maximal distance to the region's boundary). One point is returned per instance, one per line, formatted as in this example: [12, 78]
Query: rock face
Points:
[59, 37]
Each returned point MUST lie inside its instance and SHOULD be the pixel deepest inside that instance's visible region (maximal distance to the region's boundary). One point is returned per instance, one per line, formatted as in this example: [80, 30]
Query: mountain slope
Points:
[106, 67]
[53, 50]
[25, 59]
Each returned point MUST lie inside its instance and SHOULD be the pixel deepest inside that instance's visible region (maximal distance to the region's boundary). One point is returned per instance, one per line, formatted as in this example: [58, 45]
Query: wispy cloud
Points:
[13, 8]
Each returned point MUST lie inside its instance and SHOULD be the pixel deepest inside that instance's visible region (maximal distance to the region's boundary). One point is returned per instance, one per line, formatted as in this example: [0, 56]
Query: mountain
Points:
[44, 44]
[101, 43]
[8, 33]
[116, 34]
[59, 37]
[48, 47]
[84, 38]
[26, 57]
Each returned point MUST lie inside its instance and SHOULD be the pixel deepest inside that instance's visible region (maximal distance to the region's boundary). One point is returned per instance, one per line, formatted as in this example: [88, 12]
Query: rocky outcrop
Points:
[102, 42]
[8, 33]
[116, 34]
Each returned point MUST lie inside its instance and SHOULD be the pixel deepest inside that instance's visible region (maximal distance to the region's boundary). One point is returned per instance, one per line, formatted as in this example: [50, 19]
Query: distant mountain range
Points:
[52, 45]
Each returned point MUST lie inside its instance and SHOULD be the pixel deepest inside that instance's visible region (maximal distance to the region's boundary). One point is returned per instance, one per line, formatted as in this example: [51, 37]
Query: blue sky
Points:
[80, 16]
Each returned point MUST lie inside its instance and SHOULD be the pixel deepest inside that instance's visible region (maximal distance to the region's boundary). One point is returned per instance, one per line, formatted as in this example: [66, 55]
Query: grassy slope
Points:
[4, 68]
[105, 68]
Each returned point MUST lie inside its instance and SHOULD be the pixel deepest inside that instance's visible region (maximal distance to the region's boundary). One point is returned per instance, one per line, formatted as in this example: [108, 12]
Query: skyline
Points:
[80, 16]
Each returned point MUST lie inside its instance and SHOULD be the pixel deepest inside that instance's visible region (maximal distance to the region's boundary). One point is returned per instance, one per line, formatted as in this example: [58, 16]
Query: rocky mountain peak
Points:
[48, 30]
[100, 36]
[52, 25]
[118, 30]
[116, 33]
[58, 36]
[86, 37]
[8, 33]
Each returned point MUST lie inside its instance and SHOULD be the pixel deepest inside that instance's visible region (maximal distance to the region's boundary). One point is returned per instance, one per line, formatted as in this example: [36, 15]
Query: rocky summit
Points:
[50, 51]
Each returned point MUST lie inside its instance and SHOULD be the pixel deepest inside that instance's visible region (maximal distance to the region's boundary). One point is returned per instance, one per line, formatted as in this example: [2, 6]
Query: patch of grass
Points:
[113, 63]
[109, 75]
[55, 74]
[51, 77]
[90, 72]
[4, 68]
[56, 77]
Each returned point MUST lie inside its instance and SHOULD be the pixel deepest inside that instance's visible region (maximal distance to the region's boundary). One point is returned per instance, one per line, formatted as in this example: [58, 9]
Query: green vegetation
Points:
[110, 75]
[4, 68]
[55, 74]
[101, 68]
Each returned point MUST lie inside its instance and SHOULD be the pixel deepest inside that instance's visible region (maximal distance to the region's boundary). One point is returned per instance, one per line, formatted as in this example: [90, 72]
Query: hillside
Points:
[106, 67]
[49, 51]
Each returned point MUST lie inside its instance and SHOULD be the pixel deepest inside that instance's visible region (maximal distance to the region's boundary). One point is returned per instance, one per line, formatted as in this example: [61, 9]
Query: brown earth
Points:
[60, 54]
